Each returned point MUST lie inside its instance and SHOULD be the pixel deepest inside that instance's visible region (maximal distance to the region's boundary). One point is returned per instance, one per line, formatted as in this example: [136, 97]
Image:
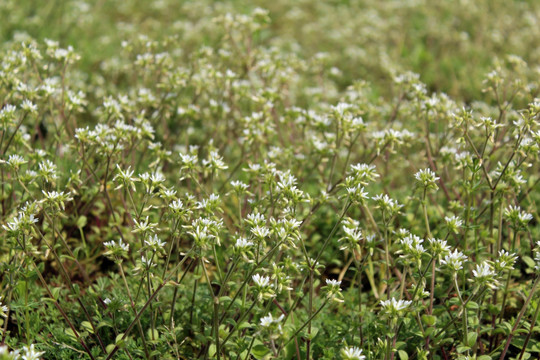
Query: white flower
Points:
[154, 242]
[243, 243]
[453, 223]
[333, 290]
[357, 194]
[505, 261]
[517, 217]
[29, 353]
[3, 309]
[427, 178]
[176, 205]
[239, 186]
[14, 161]
[483, 270]
[261, 281]
[120, 244]
[484, 275]
[439, 246]
[454, 260]
[352, 353]
[352, 238]
[393, 307]
[332, 282]
[268, 320]
[143, 226]
[260, 232]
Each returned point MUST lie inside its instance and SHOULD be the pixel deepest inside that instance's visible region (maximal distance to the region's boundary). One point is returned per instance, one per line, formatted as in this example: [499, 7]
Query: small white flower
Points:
[30, 353]
[243, 243]
[484, 275]
[453, 223]
[154, 242]
[268, 320]
[393, 307]
[3, 309]
[454, 260]
[517, 217]
[352, 353]
[427, 178]
[261, 281]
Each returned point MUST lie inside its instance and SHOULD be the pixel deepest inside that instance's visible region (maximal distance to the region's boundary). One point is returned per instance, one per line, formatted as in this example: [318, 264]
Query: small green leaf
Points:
[82, 221]
[429, 320]
[471, 339]
[87, 326]
[260, 351]
[403, 355]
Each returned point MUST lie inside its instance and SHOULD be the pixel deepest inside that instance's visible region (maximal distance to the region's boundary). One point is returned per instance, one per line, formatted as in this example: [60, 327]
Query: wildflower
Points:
[484, 275]
[143, 226]
[256, 219]
[176, 206]
[209, 205]
[352, 238]
[393, 307]
[214, 162]
[261, 281]
[333, 290]
[439, 247]
[412, 247]
[3, 309]
[352, 353]
[189, 161]
[242, 243]
[154, 243]
[202, 236]
[239, 187]
[427, 179]
[47, 170]
[453, 223]
[387, 205]
[260, 232]
[56, 199]
[518, 218]
[505, 261]
[21, 223]
[357, 194]
[272, 325]
[454, 260]
[364, 173]
[14, 161]
[126, 177]
[263, 288]
[116, 250]
[268, 320]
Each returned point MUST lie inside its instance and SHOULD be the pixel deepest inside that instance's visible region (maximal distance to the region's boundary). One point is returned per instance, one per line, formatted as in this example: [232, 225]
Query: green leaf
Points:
[87, 326]
[471, 339]
[69, 332]
[403, 355]
[82, 221]
[119, 341]
[260, 351]
[153, 334]
[429, 320]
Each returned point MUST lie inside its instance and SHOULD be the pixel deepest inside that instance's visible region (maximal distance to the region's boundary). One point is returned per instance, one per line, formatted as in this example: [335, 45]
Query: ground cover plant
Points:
[269, 180]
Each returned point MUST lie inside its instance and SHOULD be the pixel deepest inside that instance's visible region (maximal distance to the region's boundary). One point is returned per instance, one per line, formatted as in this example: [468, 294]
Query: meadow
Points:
[330, 179]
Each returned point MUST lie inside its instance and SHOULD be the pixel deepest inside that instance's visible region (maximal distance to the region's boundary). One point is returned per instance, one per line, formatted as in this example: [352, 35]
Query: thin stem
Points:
[518, 319]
